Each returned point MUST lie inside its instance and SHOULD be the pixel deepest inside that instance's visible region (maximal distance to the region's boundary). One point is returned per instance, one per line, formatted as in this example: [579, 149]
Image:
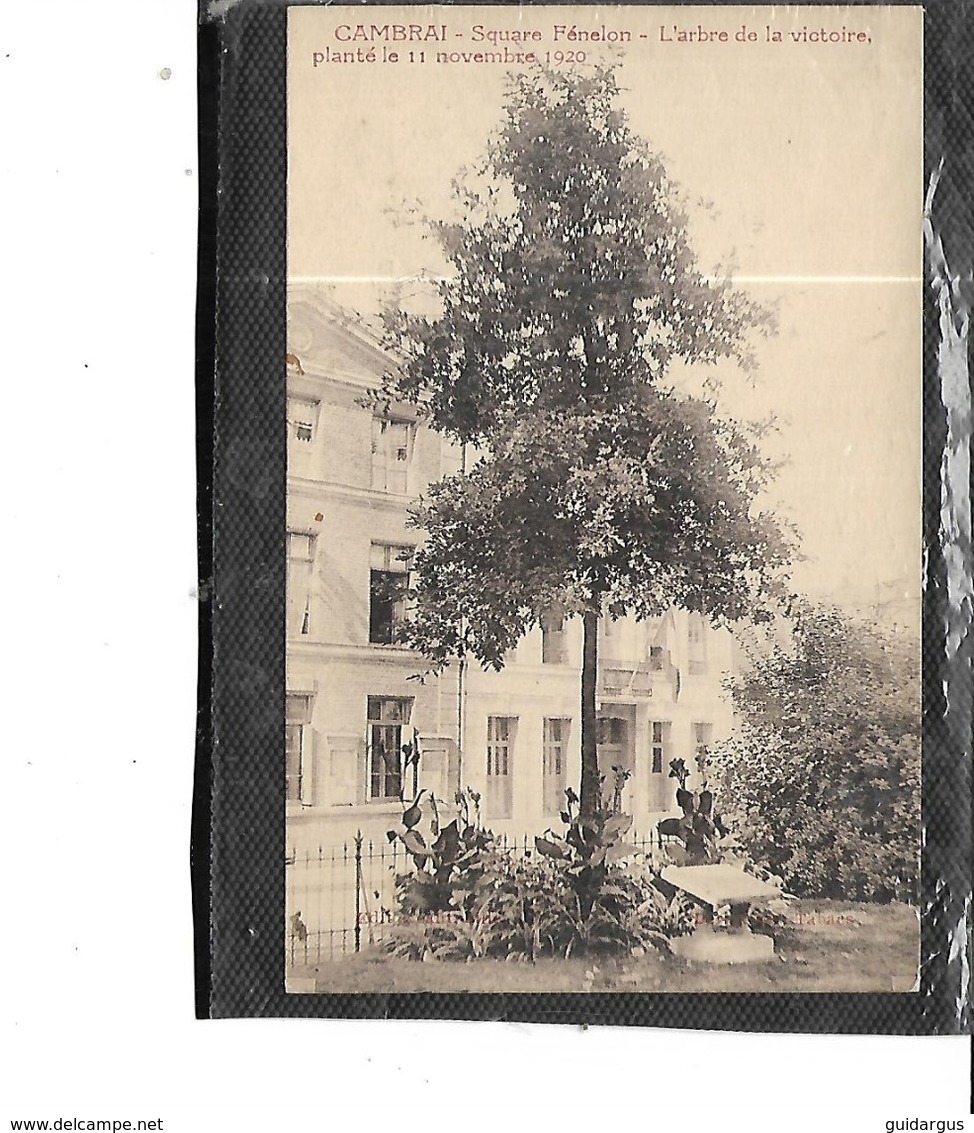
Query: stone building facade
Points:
[353, 700]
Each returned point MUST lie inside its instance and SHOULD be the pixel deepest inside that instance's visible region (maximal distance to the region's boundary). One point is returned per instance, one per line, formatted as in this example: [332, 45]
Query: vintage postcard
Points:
[603, 499]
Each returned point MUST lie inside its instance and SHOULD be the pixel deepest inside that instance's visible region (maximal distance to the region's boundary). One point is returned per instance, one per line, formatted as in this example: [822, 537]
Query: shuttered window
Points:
[301, 554]
[392, 451]
[697, 644]
[302, 419]
[387, 717]
[660, 745]
[554, 750]
[703, 735]
[501, 731]
[554, 642]
[297, 747]
[388, 584]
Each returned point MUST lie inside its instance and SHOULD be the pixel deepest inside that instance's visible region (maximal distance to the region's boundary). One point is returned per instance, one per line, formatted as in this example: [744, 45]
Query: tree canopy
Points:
[631, 512]
[572, 281]
[596, 485]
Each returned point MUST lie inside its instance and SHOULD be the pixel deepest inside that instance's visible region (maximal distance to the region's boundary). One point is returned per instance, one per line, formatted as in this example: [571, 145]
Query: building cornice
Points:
[312, 376]
[302, 485]
[394, 656]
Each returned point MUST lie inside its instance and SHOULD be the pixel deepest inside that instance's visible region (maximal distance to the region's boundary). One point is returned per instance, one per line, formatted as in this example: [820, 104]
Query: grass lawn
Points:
[826, 946]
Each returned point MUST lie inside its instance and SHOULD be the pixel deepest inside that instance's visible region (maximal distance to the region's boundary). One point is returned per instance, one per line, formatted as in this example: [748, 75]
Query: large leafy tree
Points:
[820, 781]
[596, 485]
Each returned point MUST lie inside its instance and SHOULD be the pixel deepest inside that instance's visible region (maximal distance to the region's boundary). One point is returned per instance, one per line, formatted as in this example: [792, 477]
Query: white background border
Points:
[100, 196]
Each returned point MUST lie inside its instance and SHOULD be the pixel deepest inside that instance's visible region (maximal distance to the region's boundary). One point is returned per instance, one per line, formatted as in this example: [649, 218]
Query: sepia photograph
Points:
[604, 551]
[489, 593]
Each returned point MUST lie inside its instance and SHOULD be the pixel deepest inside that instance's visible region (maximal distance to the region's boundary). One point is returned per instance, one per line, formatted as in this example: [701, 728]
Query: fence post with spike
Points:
[358, 890]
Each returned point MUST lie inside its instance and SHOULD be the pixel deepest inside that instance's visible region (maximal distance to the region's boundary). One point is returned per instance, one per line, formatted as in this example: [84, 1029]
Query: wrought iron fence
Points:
[341, 899]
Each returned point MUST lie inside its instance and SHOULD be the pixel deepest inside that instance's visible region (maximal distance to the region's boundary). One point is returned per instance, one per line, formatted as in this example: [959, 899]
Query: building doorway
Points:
[615, 731]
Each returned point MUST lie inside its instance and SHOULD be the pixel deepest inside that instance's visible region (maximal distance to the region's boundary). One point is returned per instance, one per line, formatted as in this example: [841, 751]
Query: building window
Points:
[297, 744]
[388, 584]
[392, 450]
[500, 746]
[610, 731]
[656, 658]
[302, 419]
[554, 646]
[703, 735]
[611, 631]
[387, 717]
[301, 545]
[301, 556]
[610, 739]
[553, 766]
[697, 641]
[660, 746]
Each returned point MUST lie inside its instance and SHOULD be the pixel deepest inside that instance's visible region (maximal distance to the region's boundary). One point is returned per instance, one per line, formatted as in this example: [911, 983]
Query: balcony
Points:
[640, 679]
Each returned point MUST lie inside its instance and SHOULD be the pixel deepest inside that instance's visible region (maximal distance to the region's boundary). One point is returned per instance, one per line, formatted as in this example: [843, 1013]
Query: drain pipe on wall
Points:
[461, 669]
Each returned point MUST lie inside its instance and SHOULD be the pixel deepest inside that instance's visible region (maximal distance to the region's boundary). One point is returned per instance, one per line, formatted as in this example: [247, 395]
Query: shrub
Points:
[820, 781]
[586, 892]
[450, 861]
[527, 908]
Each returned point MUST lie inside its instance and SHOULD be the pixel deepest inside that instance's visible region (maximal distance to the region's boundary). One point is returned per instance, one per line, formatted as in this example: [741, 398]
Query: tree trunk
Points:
[590, 787]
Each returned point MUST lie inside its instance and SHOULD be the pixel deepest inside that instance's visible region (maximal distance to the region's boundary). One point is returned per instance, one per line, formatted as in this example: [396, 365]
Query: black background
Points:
[237, 852]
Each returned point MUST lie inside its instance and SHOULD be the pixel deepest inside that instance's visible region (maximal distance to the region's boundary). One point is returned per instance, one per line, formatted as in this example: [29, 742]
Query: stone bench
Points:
[716, 887]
